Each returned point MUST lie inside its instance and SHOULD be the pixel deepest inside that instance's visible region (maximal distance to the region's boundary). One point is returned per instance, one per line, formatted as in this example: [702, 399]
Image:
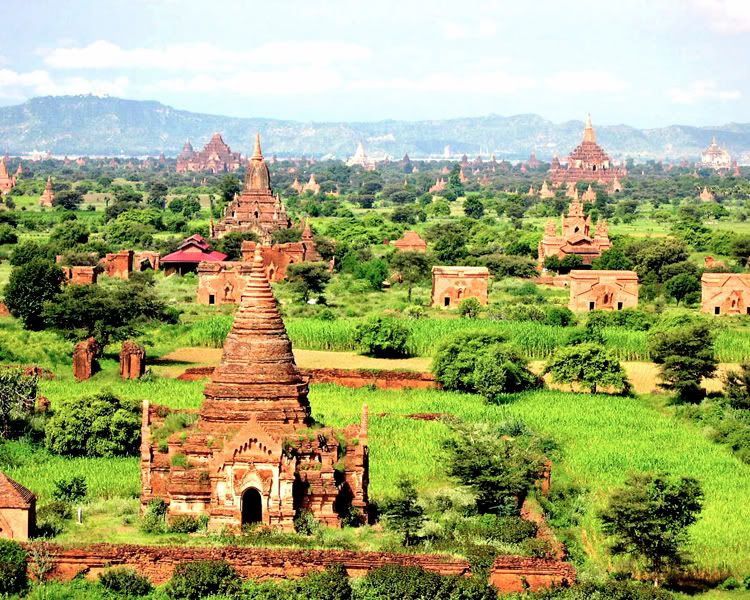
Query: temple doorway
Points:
[252, 507]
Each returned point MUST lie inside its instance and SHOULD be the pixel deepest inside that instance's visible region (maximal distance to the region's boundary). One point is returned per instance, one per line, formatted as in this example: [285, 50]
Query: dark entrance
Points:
[252, 507]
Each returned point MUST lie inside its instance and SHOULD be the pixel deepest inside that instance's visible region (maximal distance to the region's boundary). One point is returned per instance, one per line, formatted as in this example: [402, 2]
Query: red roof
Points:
[193, 257]
[13, 494]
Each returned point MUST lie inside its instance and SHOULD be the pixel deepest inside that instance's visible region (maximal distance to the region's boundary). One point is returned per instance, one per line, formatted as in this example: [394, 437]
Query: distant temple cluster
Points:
[216, 157]
[576, 237]
[715, 157]
[587, 162]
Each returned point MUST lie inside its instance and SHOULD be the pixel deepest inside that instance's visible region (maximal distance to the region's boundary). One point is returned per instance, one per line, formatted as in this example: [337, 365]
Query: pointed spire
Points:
[257, 154]
[589, 135]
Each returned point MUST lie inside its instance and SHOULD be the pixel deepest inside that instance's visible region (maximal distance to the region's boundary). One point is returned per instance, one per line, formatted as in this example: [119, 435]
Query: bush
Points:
[196, 580]
[609, 590]
[13, 562]
[499, 370]
[70, 490]
[155, 516]
[29, 287]
[185, 524]
[125, 581]
[469, 308]
[382, 337]
[737, 387]
[102, 425]
[501, 265]
[7, 234]
[415, 583]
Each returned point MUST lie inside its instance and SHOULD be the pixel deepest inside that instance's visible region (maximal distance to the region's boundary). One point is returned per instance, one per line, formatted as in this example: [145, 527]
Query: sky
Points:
[646, 63]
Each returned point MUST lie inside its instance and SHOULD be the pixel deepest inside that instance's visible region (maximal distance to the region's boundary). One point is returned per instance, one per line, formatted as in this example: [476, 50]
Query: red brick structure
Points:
[410, 242]
[603, 290]
[450, 285]
[576, 237]
[706, 195]
[216, 157]
[189, 254]
[252, 456]
[312, 185]
[7, 182]
[132, 360]
[725, 293]
[81, 275]
[119, 264]
[587, 162]
[17, 510]
[84, 359]
[4, 312]
[48, 195]
[440, 185]
[255, 209]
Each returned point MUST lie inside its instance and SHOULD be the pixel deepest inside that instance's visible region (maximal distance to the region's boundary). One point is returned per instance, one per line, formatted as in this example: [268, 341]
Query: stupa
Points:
[48, 195]
[575, 237]
[255, 454]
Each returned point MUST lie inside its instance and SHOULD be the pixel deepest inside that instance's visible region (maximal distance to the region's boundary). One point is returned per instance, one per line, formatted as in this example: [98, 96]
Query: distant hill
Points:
[92, 125]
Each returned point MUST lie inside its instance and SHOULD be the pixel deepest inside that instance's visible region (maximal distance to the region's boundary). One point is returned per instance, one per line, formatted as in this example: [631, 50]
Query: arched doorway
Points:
[252, 507]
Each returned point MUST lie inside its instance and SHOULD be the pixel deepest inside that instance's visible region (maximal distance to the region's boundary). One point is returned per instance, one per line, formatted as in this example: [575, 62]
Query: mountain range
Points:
[108, 126]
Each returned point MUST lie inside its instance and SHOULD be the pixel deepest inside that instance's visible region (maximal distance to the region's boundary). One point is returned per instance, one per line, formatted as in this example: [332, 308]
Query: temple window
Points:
[619, 306]
[592, 305]
[211, 299]
[717, 310]
[447, 301]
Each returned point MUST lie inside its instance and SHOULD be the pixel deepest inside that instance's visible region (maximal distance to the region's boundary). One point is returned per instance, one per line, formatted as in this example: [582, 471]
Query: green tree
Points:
[375, 271]
[202, 578]
[307, 278]
[648, 519]
[411, 267]
[157, 194]
[613, 259]
[29, 287]
[449, 243]
[68, 199]
[69, 234]
[384, 337]
[685, 354]
[13, 567]
[473, 207]
[17, 398]
[741, 249]
[403, 514]
[737, 387]
[588, 364]
[102, 425]
[229, 186]
[499, 370]
[231, 243]
[454, 182]
[469, 308]
[682, 286]
[283, 236]
[8, 234]
[73, 489]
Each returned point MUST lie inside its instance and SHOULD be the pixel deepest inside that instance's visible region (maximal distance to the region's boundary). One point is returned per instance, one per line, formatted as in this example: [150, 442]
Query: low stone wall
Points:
[508, 574]
[355, 378]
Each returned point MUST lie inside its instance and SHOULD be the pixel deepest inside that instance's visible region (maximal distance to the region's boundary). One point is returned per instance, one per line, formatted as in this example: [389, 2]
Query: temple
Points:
[7, 181]
[216, 157]
[725, 293]
[575, 237]
[603, 290]
[360, 159]
[587, 162]
[715, 157]
[48, 195]
[255, 454]
[255, 209]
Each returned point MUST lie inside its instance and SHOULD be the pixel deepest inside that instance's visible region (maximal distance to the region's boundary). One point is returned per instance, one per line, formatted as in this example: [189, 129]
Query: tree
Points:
[375, 271]
[685, 353]
[71, 490]
[229, 186]
[308, 278]
[469, 308]
[403, 513]
[450, 242]
[102, 425]
[412, 268]
[741, 249]
[499, 469]
[283, 236]
[69, 234]
[682, 286]
[8, 234]
[17, 398]
[383, 337]
[231, 243]
[737, 387]
[68, 199]
[588, 364]
[157, 194]
[499, 370]
[473, 207]
[13, 567]
[648, 519]
[29, 287]
[613, 259]
[454, 182]
[202, 578]
[125, 232]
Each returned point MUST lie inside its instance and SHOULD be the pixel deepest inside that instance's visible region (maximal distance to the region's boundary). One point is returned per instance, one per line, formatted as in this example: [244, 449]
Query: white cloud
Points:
[15, 85]
[701, 90]
[585, 81]
[475, 82]
[726, 16]
[203, 56]
[453, 30]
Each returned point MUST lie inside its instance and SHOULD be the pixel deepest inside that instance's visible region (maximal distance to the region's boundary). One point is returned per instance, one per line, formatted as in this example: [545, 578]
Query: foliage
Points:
[196, 580]
[737, 387]
[613, 259]
[307, 278]
[589, 365]
[13, 561]
[154, 519]
[101, 425]
[231, 243]
[403, 513]
[469, 308]
[29, 287]
[382, 337]
[7, 234]
[69, 234]
[501, 265]
[685, 354]
[415, 583]
[375, 271]
[607, 590]
[70, 490]
[412, 268]
[185, 524]
[649, 517]
[17, 397]
[125, 582]
[229, 186]
[499, 370]
[682, 286]
[473, 207]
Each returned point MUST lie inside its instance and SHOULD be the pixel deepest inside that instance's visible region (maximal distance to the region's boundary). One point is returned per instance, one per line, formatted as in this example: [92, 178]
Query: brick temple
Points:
[576, 236]
[587, 162]
[216, 157]
[48, 195]
[450, 285]
[7, 181]
[255, 454]
[725, 293]
[603, 290]
[255, 209]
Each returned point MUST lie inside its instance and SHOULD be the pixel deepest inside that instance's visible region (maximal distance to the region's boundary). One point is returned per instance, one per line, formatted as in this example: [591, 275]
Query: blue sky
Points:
[642, 62]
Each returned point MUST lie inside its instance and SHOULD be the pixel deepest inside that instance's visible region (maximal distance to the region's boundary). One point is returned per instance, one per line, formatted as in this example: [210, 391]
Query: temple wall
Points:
[17, 523]
[221, 282]
[450, 285]
[157, 563]
[603, 290]
[725, 293]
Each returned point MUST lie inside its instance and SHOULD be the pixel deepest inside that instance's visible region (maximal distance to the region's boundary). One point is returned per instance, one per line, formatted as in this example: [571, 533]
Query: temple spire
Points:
[257, 154]
[589, 135]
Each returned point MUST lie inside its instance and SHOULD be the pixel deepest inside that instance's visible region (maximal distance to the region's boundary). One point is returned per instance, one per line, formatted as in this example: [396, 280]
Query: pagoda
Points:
[7, 181]
[48, 195]
[587, 162]
[715, 157]
[545, 191]
[255, 454]
[255, 209]
[216, 157]
[312, 186]
[576, 237]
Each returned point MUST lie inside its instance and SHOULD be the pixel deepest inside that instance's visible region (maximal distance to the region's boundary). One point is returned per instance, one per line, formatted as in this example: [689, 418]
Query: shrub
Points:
[455, 359]
[29, 287]
[102, 425]
[415, 583]
[196, 580]
[469, 308]
[589, 365]
[403, 514]
[125, 581]
[499, 370]
[737, 387]
[13, 562]
[154, 519]
[7, 234]
[70, 490]
[560, 316]
[608, 590]
[185, 524]
[382, 337]
[17, 397]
